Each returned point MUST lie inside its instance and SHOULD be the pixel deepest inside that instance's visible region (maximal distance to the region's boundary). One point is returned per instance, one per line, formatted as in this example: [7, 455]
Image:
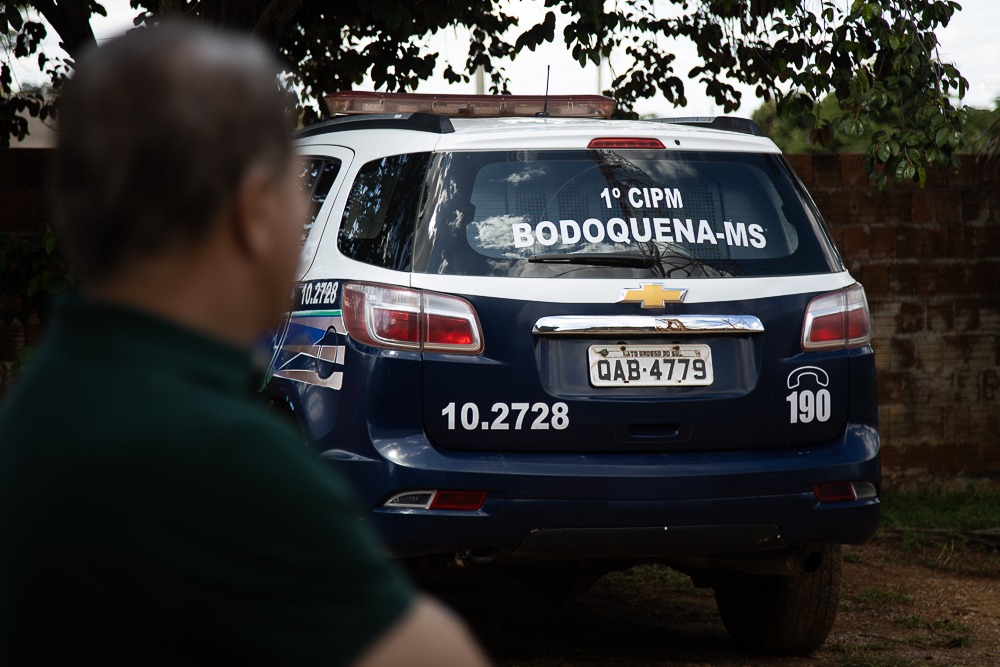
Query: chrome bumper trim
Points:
[640, 325]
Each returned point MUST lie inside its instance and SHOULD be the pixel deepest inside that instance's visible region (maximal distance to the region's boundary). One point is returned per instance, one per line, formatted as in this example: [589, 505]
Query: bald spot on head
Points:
[157, 130]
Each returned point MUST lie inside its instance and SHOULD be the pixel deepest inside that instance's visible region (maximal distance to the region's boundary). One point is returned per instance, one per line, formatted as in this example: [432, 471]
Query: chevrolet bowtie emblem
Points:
[652, 295]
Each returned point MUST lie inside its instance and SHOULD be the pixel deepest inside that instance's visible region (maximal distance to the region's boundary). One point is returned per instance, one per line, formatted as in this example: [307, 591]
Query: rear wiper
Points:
[626, 259]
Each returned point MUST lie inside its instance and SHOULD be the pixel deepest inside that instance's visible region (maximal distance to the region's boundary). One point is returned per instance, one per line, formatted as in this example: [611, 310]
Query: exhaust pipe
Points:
[475, 555]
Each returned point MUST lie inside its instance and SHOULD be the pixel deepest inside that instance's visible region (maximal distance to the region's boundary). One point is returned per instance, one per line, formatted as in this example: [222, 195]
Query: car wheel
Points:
[782, 614]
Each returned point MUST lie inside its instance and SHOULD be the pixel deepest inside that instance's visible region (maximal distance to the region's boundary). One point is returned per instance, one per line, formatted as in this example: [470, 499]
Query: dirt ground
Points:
[901, 605]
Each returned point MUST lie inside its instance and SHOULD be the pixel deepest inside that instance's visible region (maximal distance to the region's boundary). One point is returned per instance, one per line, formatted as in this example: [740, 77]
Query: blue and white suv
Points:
[549, 340]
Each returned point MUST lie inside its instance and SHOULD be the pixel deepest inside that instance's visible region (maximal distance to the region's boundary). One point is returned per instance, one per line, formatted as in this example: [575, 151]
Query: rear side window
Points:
[317, 176]
[382, 209]
[626, 213]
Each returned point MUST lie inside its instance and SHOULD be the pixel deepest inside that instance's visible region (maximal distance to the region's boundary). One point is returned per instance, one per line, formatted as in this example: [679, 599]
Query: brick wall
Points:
[929, 259]
[23, 177]
[930, 262]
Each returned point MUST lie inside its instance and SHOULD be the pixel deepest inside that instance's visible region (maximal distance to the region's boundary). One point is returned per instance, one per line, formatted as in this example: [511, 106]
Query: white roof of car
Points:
[489, 133]
[536, 133]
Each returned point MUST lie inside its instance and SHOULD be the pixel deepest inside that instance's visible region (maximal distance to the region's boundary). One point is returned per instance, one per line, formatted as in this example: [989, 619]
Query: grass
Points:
[853, 554]
[924, 634]
[910, 622]
[657, 576]
[882, 598]
[869, 656]
[934, 634]
[958, 505]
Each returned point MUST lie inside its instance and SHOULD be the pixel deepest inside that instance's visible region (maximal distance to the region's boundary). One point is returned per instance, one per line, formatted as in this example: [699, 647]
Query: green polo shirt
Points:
[151, 512]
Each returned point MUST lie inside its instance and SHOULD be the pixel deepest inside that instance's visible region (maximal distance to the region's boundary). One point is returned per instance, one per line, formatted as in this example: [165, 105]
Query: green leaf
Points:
[883, 153]
[49, 242]
[900, 170]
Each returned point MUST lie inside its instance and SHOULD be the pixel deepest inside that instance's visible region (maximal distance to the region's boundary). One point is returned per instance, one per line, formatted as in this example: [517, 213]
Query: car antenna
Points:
[544, 113]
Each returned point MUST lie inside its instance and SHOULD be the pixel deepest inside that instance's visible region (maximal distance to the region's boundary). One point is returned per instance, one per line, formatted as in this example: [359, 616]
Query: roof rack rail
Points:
[417, 121]
[724, 123]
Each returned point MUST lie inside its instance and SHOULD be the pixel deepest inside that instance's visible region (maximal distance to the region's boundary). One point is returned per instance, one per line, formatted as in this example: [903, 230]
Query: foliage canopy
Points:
[793, 136]
[871, 56]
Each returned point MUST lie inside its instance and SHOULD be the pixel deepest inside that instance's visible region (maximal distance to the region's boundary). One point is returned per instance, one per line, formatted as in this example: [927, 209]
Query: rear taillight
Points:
[837, 321]
[382, 316]
[450, 325]
[400, 318]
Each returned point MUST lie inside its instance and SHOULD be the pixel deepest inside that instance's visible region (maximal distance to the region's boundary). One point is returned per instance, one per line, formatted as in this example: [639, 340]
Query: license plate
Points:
[650, 365]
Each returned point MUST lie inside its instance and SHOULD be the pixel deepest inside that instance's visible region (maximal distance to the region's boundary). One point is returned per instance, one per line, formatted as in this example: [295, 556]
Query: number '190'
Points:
[507, 417]
[806, 406]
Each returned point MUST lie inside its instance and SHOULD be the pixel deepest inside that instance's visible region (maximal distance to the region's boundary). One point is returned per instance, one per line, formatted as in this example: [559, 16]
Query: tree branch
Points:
[275, 18]
[71, 20]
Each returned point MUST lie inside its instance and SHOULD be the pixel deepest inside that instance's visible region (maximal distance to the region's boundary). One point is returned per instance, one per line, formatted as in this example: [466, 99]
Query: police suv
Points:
[533, 336]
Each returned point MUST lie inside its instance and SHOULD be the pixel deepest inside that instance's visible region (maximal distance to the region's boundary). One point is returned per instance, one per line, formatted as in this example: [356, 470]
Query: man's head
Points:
[174, 148]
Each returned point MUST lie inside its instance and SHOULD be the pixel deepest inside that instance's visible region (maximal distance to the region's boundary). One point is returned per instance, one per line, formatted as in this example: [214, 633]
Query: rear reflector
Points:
[839, 492]
[834, 492]
[405, 319]
[468, 501]
[460, 501]
[837, 321]
[625, 142]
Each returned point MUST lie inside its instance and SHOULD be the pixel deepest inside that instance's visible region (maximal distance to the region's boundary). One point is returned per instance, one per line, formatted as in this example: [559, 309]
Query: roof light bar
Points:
[471, 106]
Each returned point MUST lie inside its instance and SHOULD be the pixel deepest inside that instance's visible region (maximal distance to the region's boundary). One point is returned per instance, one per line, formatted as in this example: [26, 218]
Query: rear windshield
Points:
[625, 213]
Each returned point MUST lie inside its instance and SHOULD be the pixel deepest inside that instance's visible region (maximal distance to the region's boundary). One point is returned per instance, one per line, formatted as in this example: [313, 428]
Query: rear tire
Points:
[783, 614]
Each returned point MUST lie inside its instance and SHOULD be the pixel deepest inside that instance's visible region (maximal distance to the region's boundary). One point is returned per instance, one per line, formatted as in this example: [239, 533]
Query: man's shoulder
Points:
[120, 417]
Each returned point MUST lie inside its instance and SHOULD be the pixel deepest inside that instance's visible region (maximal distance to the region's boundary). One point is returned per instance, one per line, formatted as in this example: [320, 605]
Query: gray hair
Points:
[156, 131]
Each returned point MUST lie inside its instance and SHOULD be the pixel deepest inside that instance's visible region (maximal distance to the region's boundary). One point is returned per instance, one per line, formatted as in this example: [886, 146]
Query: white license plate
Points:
[650, 365]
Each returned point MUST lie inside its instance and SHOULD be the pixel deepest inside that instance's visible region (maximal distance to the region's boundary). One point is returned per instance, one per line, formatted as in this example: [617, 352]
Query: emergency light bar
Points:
[471, 106]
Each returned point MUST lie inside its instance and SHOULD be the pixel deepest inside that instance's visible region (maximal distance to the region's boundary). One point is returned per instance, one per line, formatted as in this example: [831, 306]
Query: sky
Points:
[969, 41]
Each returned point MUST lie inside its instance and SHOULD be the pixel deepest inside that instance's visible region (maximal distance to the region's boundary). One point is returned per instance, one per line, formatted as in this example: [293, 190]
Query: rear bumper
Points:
[679, 504]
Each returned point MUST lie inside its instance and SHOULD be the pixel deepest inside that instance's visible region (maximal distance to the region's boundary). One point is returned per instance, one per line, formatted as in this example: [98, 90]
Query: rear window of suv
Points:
[585, 214]
[607, 213]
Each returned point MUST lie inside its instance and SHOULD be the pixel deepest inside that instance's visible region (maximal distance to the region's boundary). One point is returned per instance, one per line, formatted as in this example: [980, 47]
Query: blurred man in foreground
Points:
[150, 513]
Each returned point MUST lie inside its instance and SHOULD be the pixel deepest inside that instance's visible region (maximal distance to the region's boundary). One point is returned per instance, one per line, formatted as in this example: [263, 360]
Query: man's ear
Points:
[252, 214]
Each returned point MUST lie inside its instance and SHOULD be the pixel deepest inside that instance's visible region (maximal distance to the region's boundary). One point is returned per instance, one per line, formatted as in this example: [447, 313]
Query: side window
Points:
[318, 175]
[381, 212]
